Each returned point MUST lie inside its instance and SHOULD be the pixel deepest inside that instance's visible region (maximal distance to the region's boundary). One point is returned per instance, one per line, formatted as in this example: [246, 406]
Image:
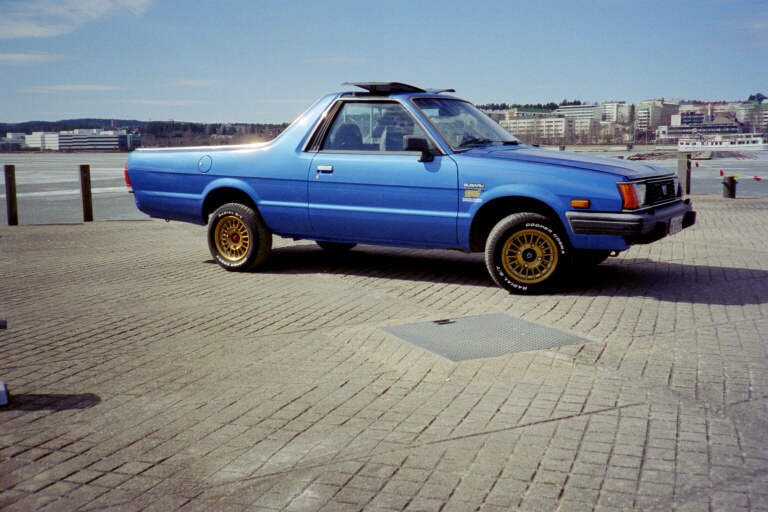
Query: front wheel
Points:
[238, 238]
[527, 253]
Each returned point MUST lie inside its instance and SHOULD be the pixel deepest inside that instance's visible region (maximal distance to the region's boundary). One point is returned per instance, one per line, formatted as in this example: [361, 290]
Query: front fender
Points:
[536, 193]
[505, 200]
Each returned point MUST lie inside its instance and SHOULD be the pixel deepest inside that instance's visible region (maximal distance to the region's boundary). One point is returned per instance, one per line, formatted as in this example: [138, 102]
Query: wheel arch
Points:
[493, 211]
[220, 196]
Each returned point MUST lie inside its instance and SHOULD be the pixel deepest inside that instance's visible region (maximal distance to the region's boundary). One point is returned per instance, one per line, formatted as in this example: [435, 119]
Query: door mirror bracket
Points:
[416, 143]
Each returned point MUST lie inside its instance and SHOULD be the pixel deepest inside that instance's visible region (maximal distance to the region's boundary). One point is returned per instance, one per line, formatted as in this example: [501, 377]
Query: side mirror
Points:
[415, 143]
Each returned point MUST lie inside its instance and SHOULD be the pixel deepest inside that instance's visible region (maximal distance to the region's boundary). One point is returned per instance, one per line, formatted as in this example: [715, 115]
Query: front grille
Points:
[660, 191]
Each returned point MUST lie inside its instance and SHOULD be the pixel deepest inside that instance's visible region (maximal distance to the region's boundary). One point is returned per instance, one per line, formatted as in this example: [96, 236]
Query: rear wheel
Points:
[238, 238]
[527, 253]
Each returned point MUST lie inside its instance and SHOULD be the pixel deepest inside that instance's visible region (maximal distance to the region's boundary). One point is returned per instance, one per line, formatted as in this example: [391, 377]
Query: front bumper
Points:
[641, 227]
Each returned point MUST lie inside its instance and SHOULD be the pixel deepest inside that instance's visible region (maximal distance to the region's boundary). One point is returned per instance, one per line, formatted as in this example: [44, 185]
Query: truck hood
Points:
[628, 169]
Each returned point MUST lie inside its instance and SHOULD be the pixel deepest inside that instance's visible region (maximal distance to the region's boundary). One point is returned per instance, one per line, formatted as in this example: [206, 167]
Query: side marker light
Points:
[580, 203]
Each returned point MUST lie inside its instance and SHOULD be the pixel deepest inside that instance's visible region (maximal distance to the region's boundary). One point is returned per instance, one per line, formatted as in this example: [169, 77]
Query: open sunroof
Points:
[385, 88]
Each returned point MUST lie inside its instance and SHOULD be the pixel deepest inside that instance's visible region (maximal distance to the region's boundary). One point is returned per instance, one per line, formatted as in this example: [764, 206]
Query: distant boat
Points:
[736, 142]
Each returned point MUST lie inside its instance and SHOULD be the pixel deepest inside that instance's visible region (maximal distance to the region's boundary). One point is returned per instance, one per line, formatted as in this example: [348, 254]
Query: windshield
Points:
[462, 124]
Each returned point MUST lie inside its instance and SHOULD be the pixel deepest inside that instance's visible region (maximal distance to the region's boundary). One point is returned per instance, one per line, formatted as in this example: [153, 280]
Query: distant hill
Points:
[70, 124]
[159, 133]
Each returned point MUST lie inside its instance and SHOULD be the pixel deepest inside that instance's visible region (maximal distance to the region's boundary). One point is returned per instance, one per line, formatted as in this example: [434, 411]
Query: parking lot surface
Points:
[144, 377]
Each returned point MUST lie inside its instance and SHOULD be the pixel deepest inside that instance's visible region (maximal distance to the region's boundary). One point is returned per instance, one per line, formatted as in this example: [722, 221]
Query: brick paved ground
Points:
[144, 377]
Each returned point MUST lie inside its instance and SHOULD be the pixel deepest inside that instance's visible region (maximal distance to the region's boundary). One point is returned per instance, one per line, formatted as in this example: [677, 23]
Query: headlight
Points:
[632, 195]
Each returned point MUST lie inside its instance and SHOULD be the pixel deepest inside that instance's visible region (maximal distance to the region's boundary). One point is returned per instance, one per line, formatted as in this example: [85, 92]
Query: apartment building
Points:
[541, 129]
[607, 121]
[83, 140]
[580, 112]
[755, 114]
[44, 141]
[651, 114]
[616, 112]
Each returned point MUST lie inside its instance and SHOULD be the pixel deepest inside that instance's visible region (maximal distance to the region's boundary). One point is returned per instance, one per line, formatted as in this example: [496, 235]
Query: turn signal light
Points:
[580, 203]
[632, 195]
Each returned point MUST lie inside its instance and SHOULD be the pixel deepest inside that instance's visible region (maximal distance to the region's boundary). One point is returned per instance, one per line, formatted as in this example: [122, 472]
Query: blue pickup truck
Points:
[397, 165]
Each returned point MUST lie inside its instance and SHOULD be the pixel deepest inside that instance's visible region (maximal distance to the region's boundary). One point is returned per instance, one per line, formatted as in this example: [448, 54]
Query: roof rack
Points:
[390, 87]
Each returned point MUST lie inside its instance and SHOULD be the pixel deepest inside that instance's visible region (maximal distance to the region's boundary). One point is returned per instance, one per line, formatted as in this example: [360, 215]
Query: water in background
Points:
[48, 187]
[705, 174]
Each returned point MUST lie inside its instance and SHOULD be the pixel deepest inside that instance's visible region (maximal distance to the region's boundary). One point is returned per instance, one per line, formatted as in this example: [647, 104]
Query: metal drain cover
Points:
[477, 337]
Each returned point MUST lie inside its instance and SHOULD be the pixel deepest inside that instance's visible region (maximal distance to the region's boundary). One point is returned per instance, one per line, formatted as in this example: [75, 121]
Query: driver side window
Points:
[370, 126]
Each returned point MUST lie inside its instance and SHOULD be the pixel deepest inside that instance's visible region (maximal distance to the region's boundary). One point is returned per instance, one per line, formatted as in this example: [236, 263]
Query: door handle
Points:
[324, 169]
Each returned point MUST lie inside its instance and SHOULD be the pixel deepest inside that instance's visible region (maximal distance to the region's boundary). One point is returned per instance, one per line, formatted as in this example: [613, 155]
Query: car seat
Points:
[348, 136]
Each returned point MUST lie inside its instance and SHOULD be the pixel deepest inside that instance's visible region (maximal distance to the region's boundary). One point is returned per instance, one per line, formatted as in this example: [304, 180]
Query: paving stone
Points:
[144, 377]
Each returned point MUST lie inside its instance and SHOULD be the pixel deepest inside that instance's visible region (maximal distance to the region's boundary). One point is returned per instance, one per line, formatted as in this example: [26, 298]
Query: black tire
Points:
[238, 238]
[526, 253]
[585, 259]
[335, 246]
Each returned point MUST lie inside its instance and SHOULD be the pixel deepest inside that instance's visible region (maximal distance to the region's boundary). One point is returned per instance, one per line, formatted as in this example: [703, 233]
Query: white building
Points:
[615, 112]
[83, 140]
[754, 113]
[559, 129]
[580, 112]
[586, 127]
[652, 113]
[12, 141]
[44, 141]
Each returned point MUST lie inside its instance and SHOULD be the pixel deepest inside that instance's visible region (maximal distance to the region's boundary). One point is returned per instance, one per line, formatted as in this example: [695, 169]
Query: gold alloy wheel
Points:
[529, 255]
[232, 238]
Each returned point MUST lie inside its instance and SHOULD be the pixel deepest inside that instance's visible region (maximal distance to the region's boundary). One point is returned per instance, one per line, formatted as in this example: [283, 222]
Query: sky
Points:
[266, 61]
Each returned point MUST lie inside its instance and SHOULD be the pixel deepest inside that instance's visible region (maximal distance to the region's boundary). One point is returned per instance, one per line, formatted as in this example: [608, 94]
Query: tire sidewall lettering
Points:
[513, 284]
[227, 213]
[229, 264]
[549, 231]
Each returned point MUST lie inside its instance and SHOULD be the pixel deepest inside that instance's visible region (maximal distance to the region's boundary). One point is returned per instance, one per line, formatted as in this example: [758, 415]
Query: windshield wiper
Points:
[478, 140]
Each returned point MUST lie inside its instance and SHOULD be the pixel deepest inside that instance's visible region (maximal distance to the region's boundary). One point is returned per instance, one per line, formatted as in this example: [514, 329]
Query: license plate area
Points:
[675, 225]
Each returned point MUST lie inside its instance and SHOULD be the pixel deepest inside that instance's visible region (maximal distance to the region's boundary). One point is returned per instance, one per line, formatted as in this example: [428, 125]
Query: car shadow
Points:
[672, 282]
[53, 402]
[439, 266]
[662, 280]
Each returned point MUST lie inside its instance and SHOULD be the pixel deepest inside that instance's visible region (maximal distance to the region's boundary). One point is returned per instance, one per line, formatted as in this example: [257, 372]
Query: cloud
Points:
[49, 18]
[757, 30]
[746, 32]
[339, 59]
[168, 103]
[281, 102]
[74, 88]
[194, 83]
[24, 59]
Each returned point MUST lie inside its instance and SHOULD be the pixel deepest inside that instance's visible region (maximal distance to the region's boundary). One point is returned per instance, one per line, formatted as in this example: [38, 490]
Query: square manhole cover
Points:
[477, 337]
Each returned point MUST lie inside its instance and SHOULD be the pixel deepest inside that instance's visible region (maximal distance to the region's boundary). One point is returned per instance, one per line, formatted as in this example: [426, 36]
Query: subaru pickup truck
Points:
[392, 164]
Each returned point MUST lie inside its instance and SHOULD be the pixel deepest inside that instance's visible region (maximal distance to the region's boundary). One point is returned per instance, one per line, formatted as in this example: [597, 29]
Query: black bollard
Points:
[10, 195]
[85, 192]
[729, 187]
